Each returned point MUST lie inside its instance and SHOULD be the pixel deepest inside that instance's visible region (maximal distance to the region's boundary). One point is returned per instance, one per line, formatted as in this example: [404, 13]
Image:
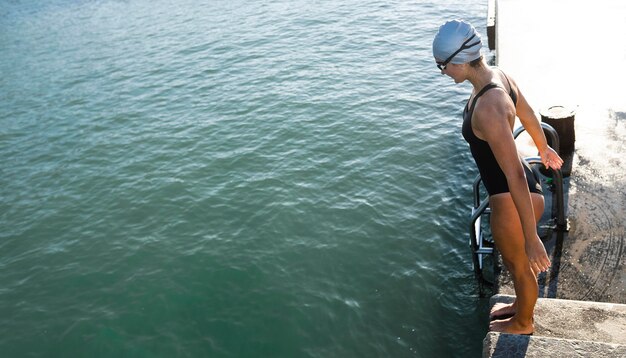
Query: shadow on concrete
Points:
[550, 283]
[511, 346]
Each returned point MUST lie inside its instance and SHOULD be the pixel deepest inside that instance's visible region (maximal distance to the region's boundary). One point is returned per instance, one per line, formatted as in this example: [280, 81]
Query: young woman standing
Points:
[515, 196]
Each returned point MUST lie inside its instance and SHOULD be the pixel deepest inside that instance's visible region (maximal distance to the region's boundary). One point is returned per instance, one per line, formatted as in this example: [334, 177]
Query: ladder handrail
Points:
[548, 129]
[557, 175]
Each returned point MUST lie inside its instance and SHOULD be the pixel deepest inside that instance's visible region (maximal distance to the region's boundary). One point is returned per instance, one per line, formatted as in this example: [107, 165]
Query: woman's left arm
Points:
[549, 157]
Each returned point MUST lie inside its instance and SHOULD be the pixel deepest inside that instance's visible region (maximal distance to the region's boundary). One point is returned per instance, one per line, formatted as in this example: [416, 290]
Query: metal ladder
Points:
[481, 243]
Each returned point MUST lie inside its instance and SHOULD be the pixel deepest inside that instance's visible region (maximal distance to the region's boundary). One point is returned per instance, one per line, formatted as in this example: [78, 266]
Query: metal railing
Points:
[479, 244]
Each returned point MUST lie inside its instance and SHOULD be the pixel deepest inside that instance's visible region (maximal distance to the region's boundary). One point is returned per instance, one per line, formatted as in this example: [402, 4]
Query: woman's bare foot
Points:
[502, 310]
[511, 325]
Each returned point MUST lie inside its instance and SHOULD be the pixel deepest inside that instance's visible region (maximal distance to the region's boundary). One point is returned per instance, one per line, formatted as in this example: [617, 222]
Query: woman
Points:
[515, 196]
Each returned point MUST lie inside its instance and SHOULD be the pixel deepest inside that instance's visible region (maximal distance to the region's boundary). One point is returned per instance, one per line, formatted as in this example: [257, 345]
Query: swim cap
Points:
[451, 36]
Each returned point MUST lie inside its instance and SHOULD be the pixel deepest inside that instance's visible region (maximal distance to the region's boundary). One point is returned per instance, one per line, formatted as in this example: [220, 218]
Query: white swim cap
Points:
[457, 35]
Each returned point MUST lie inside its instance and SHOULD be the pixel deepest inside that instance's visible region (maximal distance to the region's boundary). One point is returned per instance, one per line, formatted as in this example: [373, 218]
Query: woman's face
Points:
[454, 71]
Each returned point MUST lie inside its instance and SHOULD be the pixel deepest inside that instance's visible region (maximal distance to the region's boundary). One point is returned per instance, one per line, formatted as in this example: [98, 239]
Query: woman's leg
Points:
[509, 238]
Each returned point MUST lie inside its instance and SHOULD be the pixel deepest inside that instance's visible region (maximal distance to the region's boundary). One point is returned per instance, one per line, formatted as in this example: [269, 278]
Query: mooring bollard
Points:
[562, 120]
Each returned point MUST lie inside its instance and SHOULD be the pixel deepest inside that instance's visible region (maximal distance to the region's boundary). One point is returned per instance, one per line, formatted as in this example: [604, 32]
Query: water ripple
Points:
[181, 178]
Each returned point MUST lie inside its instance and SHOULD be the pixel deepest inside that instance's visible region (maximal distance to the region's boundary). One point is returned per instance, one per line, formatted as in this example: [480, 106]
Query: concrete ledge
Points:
[579, 320]
[502, 345]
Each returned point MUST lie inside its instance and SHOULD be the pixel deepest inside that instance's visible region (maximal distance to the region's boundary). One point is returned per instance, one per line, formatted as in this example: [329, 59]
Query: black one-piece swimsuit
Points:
[492, 175]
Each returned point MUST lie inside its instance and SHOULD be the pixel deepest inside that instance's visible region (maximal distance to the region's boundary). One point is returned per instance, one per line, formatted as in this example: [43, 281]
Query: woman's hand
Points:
[551, 158]
[537, 255]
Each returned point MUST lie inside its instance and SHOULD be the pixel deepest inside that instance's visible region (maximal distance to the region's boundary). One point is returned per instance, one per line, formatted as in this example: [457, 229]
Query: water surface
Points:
[233, 179]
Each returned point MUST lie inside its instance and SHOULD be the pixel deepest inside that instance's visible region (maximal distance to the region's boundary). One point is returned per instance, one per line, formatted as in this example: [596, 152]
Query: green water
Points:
[233, 179]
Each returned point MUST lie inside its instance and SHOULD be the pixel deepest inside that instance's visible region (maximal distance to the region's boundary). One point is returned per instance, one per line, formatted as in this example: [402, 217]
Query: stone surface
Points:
[578, 320]
[501, 345]
[589, 261]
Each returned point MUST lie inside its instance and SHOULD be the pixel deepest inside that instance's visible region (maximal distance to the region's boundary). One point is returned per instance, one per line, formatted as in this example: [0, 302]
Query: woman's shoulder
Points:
[495, 99]
[504, 78]
[494, 105]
